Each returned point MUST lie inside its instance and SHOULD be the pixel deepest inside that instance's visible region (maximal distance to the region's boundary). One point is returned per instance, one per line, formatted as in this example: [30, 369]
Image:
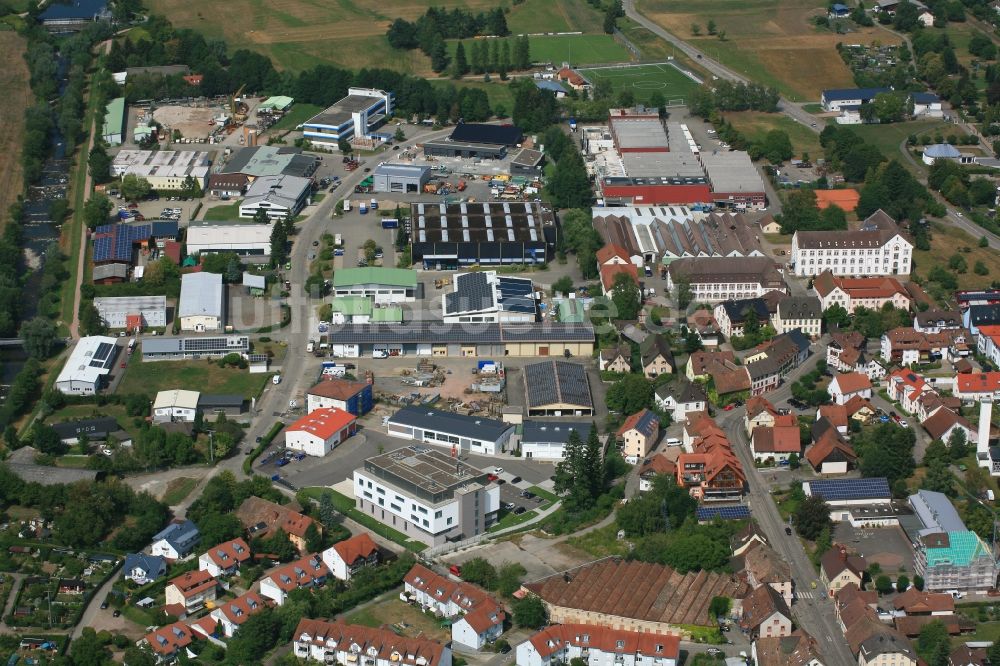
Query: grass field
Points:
[14, 85]
[223, 212]
[644, 80]
[298, 115]
[772, 41]
[946, 241]
[887, 138]
[298, 34]
[153, 376]
[405, 619]
[754, 125]
[497, 91]
[178, 489]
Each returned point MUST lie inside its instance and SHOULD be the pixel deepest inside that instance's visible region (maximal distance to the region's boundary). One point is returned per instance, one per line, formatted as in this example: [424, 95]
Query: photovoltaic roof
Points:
[736, 512]
[850, 489]
[557, 382]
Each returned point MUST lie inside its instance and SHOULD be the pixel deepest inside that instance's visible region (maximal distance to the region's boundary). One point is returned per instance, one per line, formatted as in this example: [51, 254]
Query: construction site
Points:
[482, 389]
[199, 120]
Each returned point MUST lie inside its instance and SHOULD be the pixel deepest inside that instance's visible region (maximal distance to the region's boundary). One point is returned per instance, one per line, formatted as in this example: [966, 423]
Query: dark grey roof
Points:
[153, 565]
[209, 400]
[557, 382]
[683, 391]
[800, 307]
[939, 318]
[737, 311]
[653, 346]
[475, 427]
[504, 135]
[472, 292]
[98, 428]
[439, 332]
[984, 315]
[182, 536]
[553, 431]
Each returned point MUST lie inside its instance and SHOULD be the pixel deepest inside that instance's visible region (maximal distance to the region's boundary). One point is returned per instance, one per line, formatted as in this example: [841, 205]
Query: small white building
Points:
[175, 405]
[176, 540]
[681, 398]
[345, 558]
[927, 105]
[85, 371]
[118, 312]
[319, 432]
[845, 386]
[488, 297]
[546, 440]
[201, 307]
[224, 559]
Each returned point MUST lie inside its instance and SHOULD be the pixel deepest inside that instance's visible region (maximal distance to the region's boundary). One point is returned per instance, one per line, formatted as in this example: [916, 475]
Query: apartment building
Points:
[877, 248]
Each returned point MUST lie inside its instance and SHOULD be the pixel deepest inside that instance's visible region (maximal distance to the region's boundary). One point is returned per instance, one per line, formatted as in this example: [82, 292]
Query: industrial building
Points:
[557, 388]
[430, 338]
[527, 162]
[114, 122]
[243, 238]
[402, 178]
[356, 116]
[475, 140]
[320, 431]
[350, 396]
[734, 179]
[118, 243]
[457, 432]
[88, 366]
[427, 495]
[65, 17]
[281, 196]
[487, 297]
[449, 236]
[384, 285]
[202, 304]
[164, 169]
[546, 440]
[180, 348]
[256, 161]
[132, 313]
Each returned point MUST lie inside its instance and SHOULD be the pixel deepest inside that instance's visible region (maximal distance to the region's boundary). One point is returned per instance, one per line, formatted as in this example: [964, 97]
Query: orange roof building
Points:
[977, 385]
[348, 556]
[566, 642]
[319, 432]
[846, 200]
[610, 271]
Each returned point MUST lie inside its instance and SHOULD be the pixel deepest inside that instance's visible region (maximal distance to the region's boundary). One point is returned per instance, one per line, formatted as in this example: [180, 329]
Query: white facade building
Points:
[243, 239]
[114, 311]
[175, 405]
[319, 432]
[466, 434]
[546, 440]
[598, 646]
[88, 365]
[164, 169]
[878, 248]
[279, 195]
[201, 307]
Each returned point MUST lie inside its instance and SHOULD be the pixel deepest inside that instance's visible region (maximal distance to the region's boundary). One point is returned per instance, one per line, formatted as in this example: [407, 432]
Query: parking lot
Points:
[889, 546]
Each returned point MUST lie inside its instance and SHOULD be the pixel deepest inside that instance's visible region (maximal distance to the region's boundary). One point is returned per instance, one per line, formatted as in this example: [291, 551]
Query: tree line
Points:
[728, 96]
[438, 24]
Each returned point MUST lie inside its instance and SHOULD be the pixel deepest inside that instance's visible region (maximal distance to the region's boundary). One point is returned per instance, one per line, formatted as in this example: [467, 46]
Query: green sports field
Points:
[644, 80]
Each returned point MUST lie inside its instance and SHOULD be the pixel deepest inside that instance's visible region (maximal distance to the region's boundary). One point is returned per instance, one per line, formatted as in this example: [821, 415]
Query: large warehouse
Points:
[356, 116]
[475, 140]
[132, 312]
[114, 122]
[257, 161]
[180, 348]
[435, 338]
[465, 434]
[201, 306]
[447, 236]
[406, 178]
[164, 169]
[557, 388]
[243, 238]
[88, 365]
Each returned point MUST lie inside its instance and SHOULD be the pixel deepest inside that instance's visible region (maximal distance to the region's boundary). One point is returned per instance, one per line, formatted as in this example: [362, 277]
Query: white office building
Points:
[88, 365]
[115, 311]
[281, 196]
[427, 495]
[463, 434]
[353, 117]
[243, 238]
[878, 248]
[546, 440]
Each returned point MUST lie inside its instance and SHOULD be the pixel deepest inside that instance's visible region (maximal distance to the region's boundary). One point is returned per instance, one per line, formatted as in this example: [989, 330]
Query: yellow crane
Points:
[238, 108]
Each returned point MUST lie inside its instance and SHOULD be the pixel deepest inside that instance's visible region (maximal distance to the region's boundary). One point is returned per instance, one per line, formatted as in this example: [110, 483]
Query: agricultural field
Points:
[770, 41]
[644, 80]
[14, 85]
[298, 34]
[754, 125]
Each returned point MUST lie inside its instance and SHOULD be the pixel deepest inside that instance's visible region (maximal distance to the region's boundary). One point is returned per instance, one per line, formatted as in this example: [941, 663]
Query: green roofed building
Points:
[384, 285]
[958, 560]
[114, 122]
[361, 310]
[388, 315]
[278, 103]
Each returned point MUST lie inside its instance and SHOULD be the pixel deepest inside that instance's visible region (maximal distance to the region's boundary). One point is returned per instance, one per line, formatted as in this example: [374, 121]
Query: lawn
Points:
[754, 125]
[14, 85]
[298, 115]
[771, 41]
[150, 377]
[888, 138]
[497, 91]
[946, 241]
[298, 35]
[510, 519]
[345, 505]
[601, 542]
[643, 80]
[404, 619]
[223, 213]
[178, 489]
[578, 49]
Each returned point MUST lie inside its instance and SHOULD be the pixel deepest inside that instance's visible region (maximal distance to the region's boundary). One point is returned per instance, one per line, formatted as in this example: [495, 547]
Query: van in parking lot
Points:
[673, 441]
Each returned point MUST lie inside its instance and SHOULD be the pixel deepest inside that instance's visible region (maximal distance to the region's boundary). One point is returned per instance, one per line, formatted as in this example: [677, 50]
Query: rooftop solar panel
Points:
[737, 512]
[103, 351]
[850, 489]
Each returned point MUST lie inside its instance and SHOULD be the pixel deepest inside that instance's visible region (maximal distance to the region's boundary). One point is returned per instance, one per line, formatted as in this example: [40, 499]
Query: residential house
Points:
[350, 396]
[907, 346]
[831, 454]
[799, 312]
[907, 388]
[976, 317]
[260, 517]
[988, 343]
[681, 398]
[303, 573]
[340, 643]
[192, 590]
[943, 423]
[654, 466]
[231, 614]
[935, 321]
[776, 443]
[963, 655]
[877, 645]
[726, 377]
[765, 614]
[843, 387]
[760, 413]
[845, 351]
[481, 615]
[835, 415]
[769, 361]
[566, 643]
[639, 434]
[853, 293]
[226, 558]
[838, 568]
[703, 324]
[656, 357]
[711, 471]
[917, 602]
[347, 557]
[141, 568]
[796, 649]
[609, 273]
[168, 641]
[616, 359]
[926, 104]
[972, 387]
[747, 538]
[763, 566]
[176, 540]
[733, 315]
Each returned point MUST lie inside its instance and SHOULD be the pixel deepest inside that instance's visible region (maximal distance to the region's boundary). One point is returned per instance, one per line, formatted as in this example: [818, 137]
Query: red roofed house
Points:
[658, 465]
[260, 516]
[975, 386]
[319, 432]
[574, 80]
[350, 396]
[167, 642]
[345, 558]
[610, 271]
[194, 79]
[232, 614]
[482, 616]
[192, 590]
[563, 643]
[638, 434]
[907, 388]
[852, 293]
[846, 386]
[300, 574]
[339, 643]
[775, 443]
[225, 559]
[612, 254]
[831, 455]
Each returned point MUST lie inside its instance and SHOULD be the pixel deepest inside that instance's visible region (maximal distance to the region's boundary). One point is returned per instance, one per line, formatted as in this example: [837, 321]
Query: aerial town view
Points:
[472, 333]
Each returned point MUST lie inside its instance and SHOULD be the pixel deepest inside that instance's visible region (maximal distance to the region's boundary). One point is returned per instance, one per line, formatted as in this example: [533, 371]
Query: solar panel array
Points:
[473, 292]
[734, 512]
[114, 242]
[102, 357]
[552, 382]
[850, 489]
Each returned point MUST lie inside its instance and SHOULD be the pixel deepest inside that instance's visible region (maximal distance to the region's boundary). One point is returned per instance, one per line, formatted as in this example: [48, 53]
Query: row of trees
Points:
[958, 186]
[728, 96]
[438, 24]
[483, 56]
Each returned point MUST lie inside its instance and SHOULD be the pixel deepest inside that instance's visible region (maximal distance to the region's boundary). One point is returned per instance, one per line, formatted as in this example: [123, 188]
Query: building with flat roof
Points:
[636, 130]
[202, 304]
[356, 116]
[244, 238]
[61, 16]
[383, 285]
[117, 243]
[164, 169]
[557, 388]
[114, 122]
[527, 162]
[735, 181]
[402, 178]
[427, 495]
[132, 312]
[457, 432]
[85, 371]
[279, 195]
[180, 348]
[546, 440]
[488, 297]
[257, 161]
[449, 236]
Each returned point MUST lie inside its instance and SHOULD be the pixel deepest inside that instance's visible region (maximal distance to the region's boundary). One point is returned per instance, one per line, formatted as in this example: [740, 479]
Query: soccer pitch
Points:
[644, 80]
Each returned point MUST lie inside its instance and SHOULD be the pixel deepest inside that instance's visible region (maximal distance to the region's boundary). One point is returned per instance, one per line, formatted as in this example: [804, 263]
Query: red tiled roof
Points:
[324, 422]
[229, 553]
[255, 511]
[337, 389]
[874, 287]
[167, 640]
[242, 607]
[835, 414]
[757, 404]
[552, 640]
[359, 546]
[914, 601]
[611, 251]
[826, 445]
[193, 582]
[977, 382]
[658, 464]
[610, 271]
[465, 595]
[388, 645]
[852, 382]
[299, 573]
[783, 439]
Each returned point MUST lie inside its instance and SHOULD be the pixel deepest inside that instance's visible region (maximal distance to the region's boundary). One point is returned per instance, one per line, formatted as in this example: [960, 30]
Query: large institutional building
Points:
[877, 248]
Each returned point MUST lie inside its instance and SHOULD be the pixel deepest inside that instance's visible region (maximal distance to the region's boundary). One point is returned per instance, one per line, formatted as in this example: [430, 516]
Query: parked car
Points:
[519, 510]
[788, 531]
[516, 479]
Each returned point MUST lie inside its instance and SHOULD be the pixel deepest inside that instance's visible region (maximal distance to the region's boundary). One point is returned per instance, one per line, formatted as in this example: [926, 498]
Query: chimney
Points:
[985, 418]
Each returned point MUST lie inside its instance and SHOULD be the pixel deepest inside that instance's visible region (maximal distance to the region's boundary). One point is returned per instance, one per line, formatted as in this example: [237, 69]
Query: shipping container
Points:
[390, 223]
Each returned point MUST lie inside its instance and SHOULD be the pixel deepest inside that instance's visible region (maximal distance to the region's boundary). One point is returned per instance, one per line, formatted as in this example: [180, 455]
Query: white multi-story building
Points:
[716, 279]
[853, 293]
[598, 645]
[346, 557]
[878, 248]
[340, 643]
[427, 495]
[477, 617]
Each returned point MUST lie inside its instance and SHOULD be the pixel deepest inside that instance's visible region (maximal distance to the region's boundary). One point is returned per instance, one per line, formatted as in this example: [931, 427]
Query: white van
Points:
[990, 495]
[276, 379]
[310, 346]
[380, 353]
[673, 441]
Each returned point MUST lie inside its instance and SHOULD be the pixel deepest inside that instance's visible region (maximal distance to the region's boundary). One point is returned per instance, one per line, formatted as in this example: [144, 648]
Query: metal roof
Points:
[394, 277]
[114, 117]
[472, 427]
[442, 333]
[553, 431]
[505, 135]
[92, 357]
[129, 304]
[840, 94]
[201, 295]
[936, 512]
[557, 382]
[402, 170]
